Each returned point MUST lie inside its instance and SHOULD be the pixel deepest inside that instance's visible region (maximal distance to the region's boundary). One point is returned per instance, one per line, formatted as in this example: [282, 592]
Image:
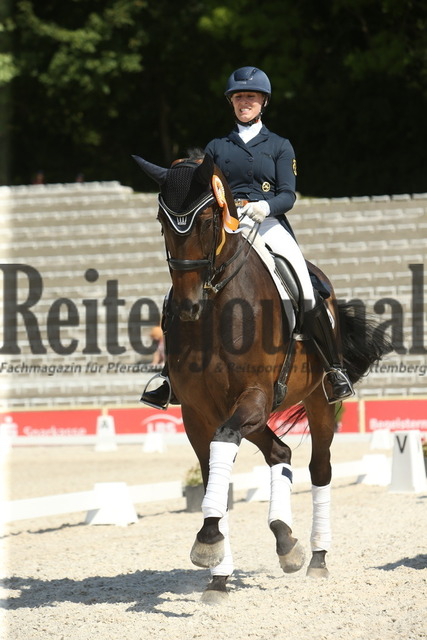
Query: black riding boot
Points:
[161, 397]
[320, 330]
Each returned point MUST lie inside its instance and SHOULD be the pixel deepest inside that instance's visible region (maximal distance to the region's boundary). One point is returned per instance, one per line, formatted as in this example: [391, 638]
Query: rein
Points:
[219, 270]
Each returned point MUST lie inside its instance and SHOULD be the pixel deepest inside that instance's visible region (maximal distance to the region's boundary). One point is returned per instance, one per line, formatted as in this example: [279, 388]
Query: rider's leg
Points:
[316, 317]
[318, 324]
[163, 395]
[282, 243]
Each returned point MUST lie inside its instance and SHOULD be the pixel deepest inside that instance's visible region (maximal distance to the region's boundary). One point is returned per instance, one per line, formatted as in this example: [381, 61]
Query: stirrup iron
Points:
[152, 404]
[342, 374]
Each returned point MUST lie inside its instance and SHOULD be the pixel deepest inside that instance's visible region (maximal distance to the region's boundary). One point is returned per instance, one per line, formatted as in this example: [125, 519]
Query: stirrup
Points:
[158, 405]
[340, 373]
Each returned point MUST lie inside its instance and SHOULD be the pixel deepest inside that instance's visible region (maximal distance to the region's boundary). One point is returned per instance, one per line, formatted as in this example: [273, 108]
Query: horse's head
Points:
[194, 211]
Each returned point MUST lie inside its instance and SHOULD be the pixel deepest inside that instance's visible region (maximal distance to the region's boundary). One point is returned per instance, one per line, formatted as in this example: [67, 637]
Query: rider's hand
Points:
[257, 211]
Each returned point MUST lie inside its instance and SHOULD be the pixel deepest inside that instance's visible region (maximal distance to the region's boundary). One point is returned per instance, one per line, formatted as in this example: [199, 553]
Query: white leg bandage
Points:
[221, 459]
[226, 567]
[321, 536]
[280, 499]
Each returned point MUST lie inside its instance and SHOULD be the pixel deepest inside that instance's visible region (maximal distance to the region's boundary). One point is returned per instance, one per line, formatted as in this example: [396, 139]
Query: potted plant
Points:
[194, 490]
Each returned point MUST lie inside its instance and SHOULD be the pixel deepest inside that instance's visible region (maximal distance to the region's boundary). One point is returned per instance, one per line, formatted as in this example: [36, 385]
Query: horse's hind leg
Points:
[277, 454]
[321, 417]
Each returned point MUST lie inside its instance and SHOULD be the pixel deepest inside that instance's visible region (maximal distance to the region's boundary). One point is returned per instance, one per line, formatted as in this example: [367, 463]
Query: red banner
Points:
[146, 420]
[394, 415]
[79, 422]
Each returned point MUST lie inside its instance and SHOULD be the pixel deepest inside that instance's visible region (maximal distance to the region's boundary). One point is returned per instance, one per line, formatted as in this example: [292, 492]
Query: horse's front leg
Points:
[321, 417]
[209, 548]
[248, 415]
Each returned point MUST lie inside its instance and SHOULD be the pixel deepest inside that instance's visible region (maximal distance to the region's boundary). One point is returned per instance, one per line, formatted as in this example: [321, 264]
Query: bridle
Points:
[182, 223]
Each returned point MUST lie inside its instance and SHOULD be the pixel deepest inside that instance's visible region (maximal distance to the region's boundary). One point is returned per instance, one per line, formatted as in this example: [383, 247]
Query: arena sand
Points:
[67, 580]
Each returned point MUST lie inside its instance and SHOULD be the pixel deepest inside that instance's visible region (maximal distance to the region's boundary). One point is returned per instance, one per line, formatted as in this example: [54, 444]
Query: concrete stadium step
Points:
[363, 244]
[144, 213]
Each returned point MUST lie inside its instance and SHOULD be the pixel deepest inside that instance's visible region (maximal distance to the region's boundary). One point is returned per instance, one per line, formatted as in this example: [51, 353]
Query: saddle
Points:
[290, 282]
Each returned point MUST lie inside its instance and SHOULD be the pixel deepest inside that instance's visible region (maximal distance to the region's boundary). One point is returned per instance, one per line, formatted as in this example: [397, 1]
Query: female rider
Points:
[260, 168]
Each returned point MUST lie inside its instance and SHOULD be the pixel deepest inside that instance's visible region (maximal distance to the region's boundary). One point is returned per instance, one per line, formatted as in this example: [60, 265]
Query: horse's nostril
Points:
[190, 312]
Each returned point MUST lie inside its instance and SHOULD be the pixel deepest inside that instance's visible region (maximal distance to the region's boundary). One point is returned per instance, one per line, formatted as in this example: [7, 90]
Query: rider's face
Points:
[247, 105]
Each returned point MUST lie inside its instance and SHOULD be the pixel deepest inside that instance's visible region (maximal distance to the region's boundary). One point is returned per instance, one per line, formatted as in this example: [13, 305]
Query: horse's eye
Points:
[206, 225]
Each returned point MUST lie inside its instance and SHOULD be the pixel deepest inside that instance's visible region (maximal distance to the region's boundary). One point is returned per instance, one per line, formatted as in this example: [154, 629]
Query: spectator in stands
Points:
[260, 168]
[156, 334]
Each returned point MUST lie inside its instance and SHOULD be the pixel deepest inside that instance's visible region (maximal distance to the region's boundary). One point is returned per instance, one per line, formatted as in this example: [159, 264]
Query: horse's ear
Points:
[204, 171]
[158, 174]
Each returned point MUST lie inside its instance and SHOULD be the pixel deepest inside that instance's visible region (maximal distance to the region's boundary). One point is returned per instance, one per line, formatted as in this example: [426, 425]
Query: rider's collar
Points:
[249, 132]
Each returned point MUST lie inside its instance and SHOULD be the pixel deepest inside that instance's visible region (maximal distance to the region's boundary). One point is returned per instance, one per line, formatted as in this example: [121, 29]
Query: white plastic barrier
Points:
[83, 501]
[99, 500]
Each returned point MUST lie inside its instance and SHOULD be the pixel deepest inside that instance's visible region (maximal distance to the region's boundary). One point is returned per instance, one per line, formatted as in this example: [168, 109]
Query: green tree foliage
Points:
[349, 87]
[92, 81]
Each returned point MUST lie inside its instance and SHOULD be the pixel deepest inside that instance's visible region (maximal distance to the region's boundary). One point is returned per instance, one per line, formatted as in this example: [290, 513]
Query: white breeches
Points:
[281, 242]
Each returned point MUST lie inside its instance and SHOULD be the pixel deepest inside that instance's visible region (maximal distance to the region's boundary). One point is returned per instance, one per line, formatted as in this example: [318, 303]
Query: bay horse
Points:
[234, 360]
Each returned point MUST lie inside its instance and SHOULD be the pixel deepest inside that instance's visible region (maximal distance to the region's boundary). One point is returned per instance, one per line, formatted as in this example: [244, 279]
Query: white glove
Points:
[257, 211]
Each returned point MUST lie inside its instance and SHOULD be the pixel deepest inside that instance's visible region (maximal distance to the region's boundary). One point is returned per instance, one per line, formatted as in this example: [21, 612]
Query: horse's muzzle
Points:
[189, 311]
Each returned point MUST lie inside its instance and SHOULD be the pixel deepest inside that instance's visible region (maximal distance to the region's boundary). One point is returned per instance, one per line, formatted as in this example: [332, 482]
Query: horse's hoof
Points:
[207, 555]
[293, 560]
[317, 572]
[214, 597]
[317, 567]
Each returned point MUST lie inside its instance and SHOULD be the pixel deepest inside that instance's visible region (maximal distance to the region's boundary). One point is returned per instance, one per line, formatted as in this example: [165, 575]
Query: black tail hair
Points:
[364, 342]
[363, 345]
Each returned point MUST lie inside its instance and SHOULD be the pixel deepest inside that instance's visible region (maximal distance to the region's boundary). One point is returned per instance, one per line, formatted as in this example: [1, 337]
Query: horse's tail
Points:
[363, 344]
[363, 340]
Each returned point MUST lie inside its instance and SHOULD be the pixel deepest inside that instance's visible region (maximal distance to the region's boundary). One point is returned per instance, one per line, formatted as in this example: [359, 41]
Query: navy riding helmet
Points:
[248, 79]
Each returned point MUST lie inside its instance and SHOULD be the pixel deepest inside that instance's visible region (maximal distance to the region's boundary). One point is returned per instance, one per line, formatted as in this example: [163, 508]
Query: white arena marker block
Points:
[105, 434]
[408, 472]
[154, 443]
[115, 505]
[381, 439]
[376, 470]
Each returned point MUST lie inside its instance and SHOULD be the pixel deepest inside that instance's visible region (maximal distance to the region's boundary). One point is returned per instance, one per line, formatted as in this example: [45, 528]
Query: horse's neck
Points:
[240, 258]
